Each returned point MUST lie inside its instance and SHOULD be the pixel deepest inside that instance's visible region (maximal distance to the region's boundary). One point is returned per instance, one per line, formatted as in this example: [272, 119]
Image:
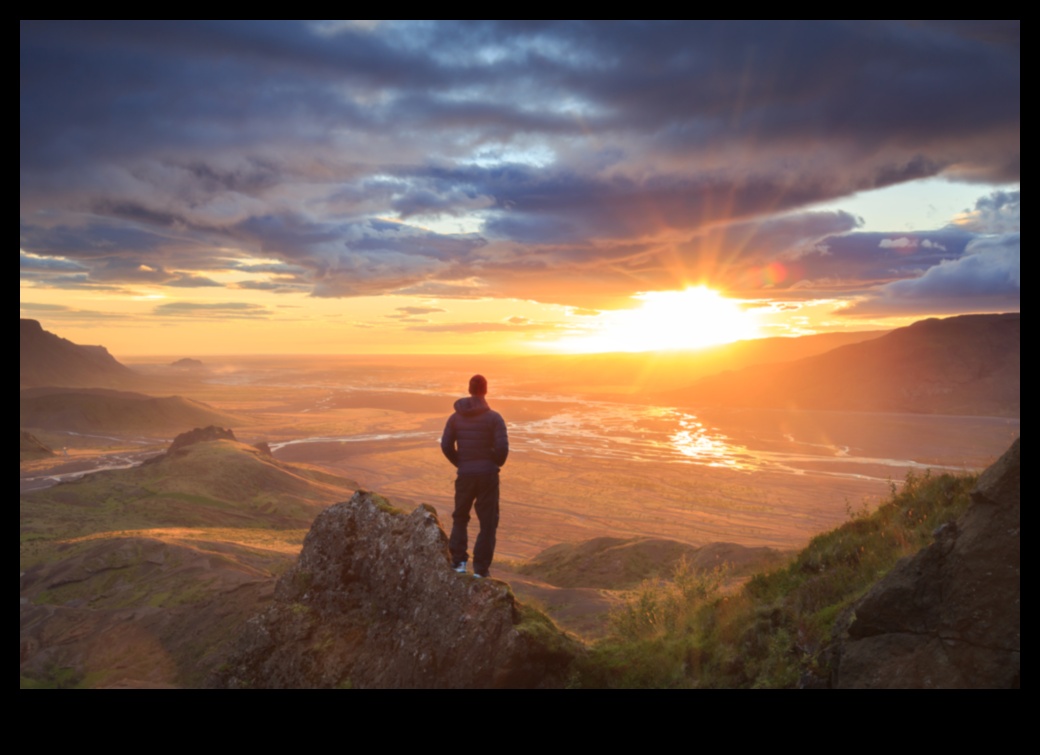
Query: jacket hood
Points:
[471, 406]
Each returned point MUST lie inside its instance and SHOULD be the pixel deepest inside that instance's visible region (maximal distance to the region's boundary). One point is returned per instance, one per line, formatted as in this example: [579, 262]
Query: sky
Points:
[195, 188]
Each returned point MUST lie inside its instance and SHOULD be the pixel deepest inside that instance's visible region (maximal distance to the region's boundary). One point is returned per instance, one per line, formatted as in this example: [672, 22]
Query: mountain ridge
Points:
[48, 359]
[966, 365]
[106, 410]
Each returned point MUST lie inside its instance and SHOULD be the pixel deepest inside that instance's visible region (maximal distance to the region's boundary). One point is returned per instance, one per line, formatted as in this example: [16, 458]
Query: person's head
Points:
[478, 385]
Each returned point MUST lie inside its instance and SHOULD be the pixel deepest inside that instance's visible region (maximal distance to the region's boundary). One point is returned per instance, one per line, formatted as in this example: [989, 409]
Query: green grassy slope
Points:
[775, 631]
[139, 577]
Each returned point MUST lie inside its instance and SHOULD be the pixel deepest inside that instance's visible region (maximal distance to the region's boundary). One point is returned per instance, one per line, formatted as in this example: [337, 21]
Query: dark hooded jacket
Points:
[475, 438]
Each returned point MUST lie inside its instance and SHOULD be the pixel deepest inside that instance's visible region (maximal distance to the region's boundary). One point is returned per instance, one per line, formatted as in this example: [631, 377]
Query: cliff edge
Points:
[949, 616]
[373, 603]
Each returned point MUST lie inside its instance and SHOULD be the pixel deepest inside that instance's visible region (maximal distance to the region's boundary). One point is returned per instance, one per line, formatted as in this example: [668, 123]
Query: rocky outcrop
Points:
[950, 616]
[190, 438]
[200, 435]
[373, 603]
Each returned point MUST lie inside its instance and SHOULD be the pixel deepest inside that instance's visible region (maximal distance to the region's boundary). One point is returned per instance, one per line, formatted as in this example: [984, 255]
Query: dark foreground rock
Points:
[373, 603]
[949, 616]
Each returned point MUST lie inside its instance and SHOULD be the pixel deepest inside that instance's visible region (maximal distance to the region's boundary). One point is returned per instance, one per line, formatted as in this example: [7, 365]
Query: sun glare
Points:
[689, 319]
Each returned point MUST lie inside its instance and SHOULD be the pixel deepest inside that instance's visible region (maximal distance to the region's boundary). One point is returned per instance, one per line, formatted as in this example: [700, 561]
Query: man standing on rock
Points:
[475, 441]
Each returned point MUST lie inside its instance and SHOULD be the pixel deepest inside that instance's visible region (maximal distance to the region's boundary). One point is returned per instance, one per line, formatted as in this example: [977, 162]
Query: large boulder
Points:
[950, 616]
[373, 603]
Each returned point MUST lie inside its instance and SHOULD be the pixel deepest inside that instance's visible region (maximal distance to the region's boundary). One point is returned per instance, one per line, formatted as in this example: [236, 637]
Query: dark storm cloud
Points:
[986, 278]
[998, 212]
[29, 263]
[876, 257]
[91, 240]
[536, 206]
[131, 252]
[156, 151]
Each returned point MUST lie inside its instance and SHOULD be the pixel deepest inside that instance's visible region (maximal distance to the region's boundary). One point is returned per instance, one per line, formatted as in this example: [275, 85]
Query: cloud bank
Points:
[570, 162]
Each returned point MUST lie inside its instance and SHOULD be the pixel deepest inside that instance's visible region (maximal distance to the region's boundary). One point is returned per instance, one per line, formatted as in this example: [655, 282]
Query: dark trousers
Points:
[480, 491]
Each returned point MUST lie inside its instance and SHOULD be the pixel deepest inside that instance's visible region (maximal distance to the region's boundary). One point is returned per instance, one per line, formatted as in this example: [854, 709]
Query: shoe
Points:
[460, 567]
[478, 575]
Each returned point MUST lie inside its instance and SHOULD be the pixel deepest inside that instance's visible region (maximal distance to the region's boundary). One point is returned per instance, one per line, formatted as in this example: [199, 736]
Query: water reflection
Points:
[631, 433]
[626, 432]
[839, 444]
[698, 443]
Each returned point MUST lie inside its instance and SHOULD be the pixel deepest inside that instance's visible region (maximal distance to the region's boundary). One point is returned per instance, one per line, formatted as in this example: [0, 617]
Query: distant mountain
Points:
[959, 365]
[47, 359]
[105, 410]
[187, 363]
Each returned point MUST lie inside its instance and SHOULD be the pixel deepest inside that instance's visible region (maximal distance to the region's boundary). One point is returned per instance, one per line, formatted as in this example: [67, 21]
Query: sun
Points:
[690, 319]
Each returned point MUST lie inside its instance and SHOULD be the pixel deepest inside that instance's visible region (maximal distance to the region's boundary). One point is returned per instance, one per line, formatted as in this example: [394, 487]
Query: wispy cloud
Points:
[234, 310]
[484, 327]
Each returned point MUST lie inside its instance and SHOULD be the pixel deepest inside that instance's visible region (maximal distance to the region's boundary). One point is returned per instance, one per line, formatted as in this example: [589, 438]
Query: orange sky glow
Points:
[659, 320]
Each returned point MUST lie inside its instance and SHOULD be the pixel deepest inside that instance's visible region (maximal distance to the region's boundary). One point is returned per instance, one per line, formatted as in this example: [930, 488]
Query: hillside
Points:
[968, 365]
[30, 447]
[619, 564]
[148, 577]
[924, 592]
[101, 410]
[140, 577]
[581, 584]
[47, 359]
